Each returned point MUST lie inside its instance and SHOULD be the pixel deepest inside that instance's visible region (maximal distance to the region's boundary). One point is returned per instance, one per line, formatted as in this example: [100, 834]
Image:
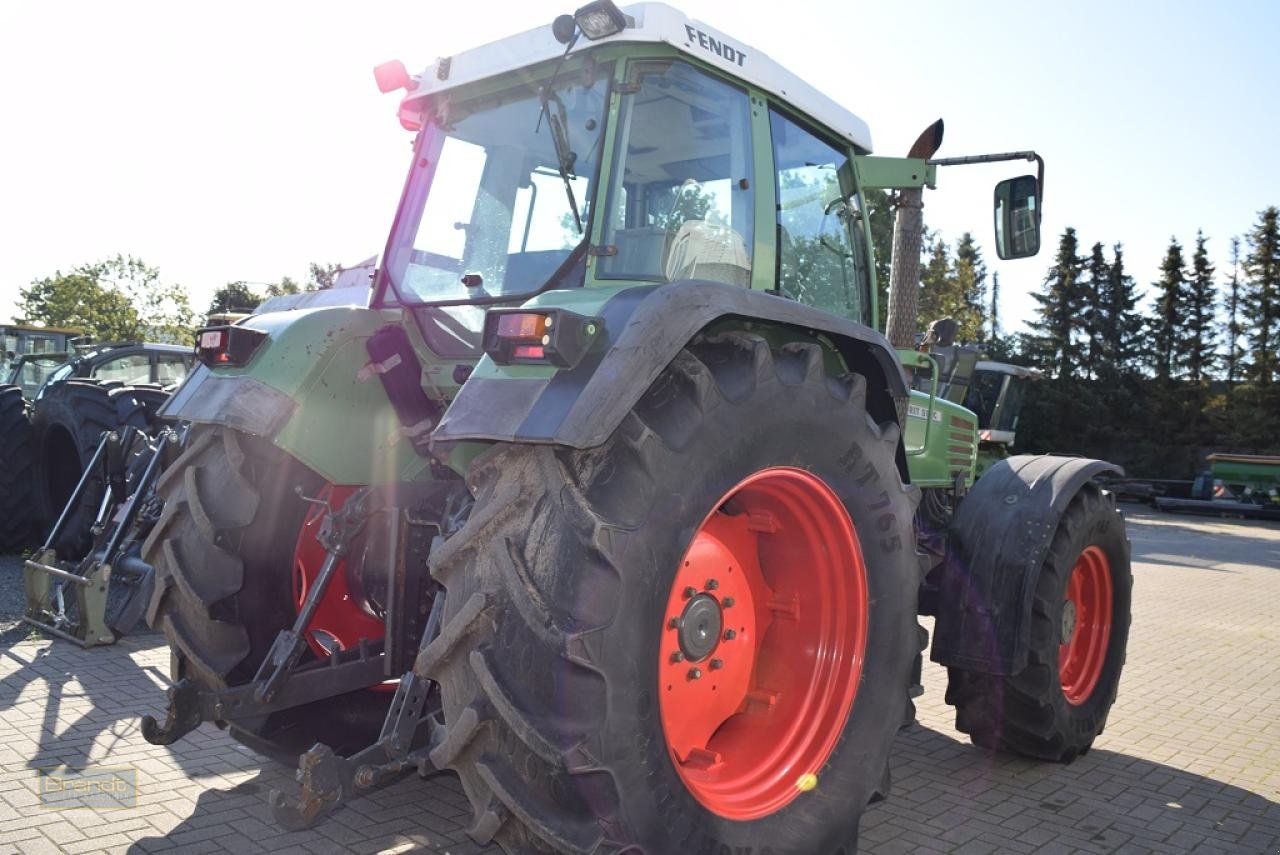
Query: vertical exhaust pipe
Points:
[908, 226]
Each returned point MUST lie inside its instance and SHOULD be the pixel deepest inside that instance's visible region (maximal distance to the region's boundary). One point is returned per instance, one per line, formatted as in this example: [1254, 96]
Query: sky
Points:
[242, 140]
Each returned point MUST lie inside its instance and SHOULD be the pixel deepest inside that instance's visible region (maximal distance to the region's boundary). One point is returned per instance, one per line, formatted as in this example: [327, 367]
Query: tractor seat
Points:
[702, 250]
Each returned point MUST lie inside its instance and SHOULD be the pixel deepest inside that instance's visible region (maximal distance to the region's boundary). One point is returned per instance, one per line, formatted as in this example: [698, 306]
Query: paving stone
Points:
[1190, 760]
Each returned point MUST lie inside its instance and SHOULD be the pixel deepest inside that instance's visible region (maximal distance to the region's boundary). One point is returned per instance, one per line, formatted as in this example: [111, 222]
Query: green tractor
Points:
[604, 501]
[992, 390]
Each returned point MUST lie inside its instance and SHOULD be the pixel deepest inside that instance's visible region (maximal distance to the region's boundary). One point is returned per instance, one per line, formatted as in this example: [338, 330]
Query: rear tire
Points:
[557, 589]
[1046, 711]
[222, 552]
[17, 511]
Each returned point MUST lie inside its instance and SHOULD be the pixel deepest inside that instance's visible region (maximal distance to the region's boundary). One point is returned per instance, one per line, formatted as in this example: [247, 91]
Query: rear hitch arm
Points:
[191, 702]
[337, 531]
[328, 780]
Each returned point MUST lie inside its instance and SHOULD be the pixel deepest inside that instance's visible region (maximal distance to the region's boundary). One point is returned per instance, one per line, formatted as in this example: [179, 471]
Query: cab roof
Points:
[649, 23]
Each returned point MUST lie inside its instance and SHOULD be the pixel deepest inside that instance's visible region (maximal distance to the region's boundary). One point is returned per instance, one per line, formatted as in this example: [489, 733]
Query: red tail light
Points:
[228, 345]
[546, 336]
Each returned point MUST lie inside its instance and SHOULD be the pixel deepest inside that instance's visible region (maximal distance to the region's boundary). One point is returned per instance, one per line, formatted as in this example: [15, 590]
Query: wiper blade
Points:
[558, 122]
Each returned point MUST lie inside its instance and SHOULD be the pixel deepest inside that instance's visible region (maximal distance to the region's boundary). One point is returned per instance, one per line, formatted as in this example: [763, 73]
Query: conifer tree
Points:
[1262, 297]
[967, 294]
[934, 283]
[1168, 346]
[1199, 319]
[1053, 344]
[1122, 329]
[1093, 289]
[1233, 328]
[995, 305]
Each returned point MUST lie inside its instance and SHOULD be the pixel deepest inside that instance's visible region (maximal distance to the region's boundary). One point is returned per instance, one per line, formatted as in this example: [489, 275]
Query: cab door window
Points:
[680, 205]
[822, 259]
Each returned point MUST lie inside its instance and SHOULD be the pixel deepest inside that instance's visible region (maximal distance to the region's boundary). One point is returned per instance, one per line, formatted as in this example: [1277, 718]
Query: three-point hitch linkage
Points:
[409, 730]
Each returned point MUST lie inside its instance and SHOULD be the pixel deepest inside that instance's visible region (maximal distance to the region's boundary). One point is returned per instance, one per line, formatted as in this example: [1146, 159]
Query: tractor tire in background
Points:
[1057, 705]
[67, 423]
[223, 553]
[17, 511]
[149, 397]
[747, 512]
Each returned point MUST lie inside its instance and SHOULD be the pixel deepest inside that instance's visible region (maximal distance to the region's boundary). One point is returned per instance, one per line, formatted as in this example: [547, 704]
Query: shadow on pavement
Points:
[948, 793]
[1202, 542]
[407, 814]
[83, 694]
[947, 796]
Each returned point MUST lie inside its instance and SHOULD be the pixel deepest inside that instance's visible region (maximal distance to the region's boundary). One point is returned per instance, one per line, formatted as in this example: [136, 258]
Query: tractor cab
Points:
[996, 392]
[36, 341]
[637, 149]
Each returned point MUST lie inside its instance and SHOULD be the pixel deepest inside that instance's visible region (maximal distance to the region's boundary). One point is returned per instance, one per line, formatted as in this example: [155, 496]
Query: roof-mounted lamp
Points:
[595, 20]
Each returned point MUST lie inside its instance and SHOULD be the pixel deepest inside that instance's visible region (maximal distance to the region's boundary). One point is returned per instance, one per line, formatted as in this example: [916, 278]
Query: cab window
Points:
[822, 258]
[129, 370]
[681, 203]
[171, 368]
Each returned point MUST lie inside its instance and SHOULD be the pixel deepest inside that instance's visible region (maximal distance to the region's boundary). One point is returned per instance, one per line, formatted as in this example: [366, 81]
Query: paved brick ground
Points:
[1190, 760]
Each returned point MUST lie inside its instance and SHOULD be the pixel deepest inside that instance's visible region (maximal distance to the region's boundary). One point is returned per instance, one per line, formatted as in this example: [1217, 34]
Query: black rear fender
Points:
[998, 541]
[644, 328]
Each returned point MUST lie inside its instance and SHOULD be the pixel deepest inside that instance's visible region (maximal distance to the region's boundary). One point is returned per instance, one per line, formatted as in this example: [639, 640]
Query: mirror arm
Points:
[998, 158]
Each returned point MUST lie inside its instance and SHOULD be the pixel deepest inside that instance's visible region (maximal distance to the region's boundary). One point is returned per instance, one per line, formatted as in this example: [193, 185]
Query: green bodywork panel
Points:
[343, 426]
[946, 447]
[941, 436]
[893, 173]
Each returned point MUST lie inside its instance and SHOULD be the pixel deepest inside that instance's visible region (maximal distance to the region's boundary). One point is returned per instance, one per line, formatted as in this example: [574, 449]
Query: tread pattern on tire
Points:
[1025, 713]
[208, 499]
[529, 765]
[17, 509]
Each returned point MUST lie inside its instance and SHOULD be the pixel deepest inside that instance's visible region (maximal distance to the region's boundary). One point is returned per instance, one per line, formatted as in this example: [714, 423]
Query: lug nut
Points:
[730, 634]
[695, 673]
[690, 592]
[727, 602]
[712, 584]
[717, 664]
[677, 656]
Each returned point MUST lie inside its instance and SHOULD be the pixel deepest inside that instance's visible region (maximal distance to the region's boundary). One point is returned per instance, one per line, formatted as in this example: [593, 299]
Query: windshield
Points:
[489, 209]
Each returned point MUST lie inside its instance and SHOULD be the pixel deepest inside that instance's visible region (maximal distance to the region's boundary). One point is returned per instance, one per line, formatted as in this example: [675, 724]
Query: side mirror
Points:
[1018, 217]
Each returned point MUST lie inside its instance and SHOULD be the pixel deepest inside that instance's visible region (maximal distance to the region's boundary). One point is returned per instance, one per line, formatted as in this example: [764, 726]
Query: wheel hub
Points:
[1068, 621]
[699, 626]
[762, 642]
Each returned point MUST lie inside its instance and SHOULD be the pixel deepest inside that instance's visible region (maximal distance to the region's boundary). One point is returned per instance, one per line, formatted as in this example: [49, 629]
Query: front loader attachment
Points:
[101, 597]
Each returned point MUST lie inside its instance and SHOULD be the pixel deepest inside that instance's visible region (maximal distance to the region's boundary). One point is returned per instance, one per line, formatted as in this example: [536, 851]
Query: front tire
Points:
[1058, 704]
[557, 625]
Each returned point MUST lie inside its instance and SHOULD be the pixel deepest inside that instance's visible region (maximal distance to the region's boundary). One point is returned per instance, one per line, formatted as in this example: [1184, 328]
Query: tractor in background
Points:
[607, 501]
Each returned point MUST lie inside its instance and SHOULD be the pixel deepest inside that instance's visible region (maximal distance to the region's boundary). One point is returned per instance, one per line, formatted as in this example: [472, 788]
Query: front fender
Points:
[999, 537]
[644, 328]
[303, 390]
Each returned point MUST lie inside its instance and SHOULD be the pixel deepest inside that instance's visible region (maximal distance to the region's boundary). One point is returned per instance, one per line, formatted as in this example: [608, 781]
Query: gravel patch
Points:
[13, 600]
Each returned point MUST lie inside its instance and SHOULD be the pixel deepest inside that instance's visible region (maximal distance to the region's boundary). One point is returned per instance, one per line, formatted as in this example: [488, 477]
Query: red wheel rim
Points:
[1086, 625]
[762, 643]
[339, 620]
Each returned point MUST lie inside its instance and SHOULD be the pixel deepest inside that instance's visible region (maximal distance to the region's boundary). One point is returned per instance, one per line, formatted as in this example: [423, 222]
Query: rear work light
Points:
[539, 336]
[230, 346]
